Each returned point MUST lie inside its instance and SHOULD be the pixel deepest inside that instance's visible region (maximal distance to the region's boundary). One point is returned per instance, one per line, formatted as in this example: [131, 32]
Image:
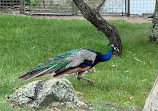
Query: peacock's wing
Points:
[76, 59]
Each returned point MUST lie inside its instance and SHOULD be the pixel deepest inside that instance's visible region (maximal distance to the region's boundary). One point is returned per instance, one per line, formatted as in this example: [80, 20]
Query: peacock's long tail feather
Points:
[53, 64]
[26, 75]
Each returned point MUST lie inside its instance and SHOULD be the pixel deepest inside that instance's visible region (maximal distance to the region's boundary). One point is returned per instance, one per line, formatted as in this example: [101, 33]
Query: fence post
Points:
[22, 7]
[74, 12]
[128, 14]
[127, 8]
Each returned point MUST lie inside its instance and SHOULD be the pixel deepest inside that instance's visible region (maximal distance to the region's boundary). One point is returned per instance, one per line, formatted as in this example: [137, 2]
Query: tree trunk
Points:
[152, 100]
[154, 28]
[93, 16]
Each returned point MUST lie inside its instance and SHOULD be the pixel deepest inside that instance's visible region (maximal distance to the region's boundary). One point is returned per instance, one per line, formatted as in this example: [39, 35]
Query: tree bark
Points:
[151, 103]
[93, 16]
[154, 28]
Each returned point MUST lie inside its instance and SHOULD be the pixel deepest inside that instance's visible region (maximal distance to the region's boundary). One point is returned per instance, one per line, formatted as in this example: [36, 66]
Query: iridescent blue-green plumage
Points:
[56, 61]
[76, 58]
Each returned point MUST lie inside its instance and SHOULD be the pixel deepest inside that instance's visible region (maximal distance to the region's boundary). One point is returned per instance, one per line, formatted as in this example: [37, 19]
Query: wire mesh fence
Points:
[9, 6]
[142, 6]
[67, 7]
[55, 7]
[9, 3]
[114, 7]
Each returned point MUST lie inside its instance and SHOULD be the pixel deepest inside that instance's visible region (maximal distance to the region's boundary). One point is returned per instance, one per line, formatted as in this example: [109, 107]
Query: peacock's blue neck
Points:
[109, 54]
[102, 57]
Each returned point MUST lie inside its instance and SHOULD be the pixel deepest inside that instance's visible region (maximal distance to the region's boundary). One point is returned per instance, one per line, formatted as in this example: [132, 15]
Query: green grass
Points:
[27, 41]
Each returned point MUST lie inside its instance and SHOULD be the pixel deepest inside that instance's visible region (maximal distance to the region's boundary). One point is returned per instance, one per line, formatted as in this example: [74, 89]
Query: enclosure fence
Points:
[67, 7]
[9, 3]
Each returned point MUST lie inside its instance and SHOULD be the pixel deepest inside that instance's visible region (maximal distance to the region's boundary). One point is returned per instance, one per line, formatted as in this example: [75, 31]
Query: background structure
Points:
[67, 7]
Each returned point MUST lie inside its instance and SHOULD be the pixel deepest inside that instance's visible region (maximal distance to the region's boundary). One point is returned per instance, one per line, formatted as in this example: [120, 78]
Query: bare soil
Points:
[133, 19]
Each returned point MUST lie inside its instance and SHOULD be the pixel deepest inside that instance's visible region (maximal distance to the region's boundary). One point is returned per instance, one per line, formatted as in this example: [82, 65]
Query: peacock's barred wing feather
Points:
[57, 61]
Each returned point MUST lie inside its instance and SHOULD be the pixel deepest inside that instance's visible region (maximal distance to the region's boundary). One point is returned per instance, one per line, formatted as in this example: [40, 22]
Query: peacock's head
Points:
[113, 47]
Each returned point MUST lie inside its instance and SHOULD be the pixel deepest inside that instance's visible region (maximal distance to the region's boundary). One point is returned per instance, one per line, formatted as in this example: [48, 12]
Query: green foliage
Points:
[125, 81]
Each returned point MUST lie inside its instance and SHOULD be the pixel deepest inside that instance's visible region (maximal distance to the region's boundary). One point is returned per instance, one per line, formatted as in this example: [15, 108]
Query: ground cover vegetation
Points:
[122, 82]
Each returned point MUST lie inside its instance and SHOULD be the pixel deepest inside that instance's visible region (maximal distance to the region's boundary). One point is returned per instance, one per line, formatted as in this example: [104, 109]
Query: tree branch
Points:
[100, 5]
[93, 16]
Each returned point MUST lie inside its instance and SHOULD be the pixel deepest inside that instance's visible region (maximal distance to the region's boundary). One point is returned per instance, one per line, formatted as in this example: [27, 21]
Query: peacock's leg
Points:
[79, 77]
[79, 74]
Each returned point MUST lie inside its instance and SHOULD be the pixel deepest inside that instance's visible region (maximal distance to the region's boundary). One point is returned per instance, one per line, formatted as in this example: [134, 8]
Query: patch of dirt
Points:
[133, 19]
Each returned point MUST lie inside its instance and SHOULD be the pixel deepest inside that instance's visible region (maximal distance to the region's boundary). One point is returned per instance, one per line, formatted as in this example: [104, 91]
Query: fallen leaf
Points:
[88, 104]
[14, 89]
[131, 97]
[6, 96]
[144, 80]
[56, 109]
[126, 71]
[16, 106]
[145, 93]
[137, 59]
[79, 93]
[114, 65]
[94, 69]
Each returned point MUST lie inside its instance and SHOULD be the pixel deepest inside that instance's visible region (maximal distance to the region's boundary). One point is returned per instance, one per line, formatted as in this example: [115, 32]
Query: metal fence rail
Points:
[67, 7]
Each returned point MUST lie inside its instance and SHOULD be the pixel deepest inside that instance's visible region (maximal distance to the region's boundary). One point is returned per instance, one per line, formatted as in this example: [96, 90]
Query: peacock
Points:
[73, 61]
